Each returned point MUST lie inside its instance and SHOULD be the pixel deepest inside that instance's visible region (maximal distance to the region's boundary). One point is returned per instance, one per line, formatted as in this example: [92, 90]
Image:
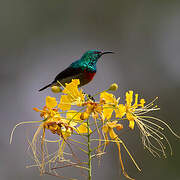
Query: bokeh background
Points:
[39, 38]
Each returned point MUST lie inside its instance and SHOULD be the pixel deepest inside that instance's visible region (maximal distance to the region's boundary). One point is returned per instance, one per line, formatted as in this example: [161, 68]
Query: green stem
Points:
[89, 152]
[100, 92]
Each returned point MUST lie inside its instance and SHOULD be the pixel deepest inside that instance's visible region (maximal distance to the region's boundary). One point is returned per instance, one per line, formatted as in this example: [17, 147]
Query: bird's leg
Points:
[88, 97]
[91, 97]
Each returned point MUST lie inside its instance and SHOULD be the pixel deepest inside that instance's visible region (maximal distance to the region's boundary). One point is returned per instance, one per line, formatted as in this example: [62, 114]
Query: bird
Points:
[83, 69]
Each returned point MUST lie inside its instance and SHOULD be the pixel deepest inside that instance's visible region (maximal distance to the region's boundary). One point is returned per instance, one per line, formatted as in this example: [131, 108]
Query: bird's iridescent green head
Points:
[92, 56]
[88, 60]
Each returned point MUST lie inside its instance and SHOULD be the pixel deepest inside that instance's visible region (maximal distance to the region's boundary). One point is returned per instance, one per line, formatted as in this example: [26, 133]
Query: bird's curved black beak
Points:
[107, 52]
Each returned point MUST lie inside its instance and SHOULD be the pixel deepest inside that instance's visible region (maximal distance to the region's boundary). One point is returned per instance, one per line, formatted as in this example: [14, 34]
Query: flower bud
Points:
[56, 89]
[113, 87]
[119, 127]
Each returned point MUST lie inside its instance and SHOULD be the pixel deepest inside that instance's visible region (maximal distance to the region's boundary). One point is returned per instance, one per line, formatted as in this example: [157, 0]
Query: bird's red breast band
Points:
[89, 75]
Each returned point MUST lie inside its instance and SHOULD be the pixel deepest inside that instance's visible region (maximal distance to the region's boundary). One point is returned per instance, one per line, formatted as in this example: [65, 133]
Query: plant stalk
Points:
[89, 151]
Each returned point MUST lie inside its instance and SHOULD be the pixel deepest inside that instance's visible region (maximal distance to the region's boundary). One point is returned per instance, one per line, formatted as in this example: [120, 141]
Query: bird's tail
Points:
[45, 87]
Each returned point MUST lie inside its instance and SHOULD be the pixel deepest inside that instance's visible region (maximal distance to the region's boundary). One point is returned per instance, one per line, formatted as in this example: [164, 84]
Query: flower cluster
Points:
[77, 113]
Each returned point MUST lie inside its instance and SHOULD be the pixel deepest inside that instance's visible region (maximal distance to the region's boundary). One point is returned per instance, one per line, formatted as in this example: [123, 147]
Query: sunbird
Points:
[83, 69]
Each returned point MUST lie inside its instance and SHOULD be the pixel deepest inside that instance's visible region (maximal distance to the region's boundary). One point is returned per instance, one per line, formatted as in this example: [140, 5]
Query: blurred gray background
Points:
[39, 38]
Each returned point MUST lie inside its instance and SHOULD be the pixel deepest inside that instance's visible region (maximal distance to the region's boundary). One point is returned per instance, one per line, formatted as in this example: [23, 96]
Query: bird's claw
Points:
[89, 97]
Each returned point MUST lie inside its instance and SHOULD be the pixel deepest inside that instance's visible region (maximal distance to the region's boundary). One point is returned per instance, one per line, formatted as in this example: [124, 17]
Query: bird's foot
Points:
[89, 97]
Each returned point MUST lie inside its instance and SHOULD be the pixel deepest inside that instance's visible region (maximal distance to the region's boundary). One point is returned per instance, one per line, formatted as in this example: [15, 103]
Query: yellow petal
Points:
[107, 112]
[84, 115]
[105, 129]
[51, 102]
[75, 96]
[142, 102]
[129, 98]
[130, 116]
[83, 128]
[65, 103]
[120, 111]
[108, 97]
[72, 86]
[135, 105]
[131, 124]
[37, 110]
[73, 115]
[112, 134]
[112, 124]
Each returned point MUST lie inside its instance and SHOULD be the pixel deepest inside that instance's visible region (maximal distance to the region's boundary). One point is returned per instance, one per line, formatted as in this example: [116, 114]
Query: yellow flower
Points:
[62, 126]
[108, 128]
[129, 100]
[51, 102]
[149, 130]
[72, 96]
[65, 123]
[132, 108]
[49, 109]
[52, 119]
[94, 108]
[54, 122]
[110, 105]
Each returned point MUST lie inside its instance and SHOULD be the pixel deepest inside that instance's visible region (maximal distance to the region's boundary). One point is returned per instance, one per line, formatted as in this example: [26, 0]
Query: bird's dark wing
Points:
[68, 72]
[66, 76]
